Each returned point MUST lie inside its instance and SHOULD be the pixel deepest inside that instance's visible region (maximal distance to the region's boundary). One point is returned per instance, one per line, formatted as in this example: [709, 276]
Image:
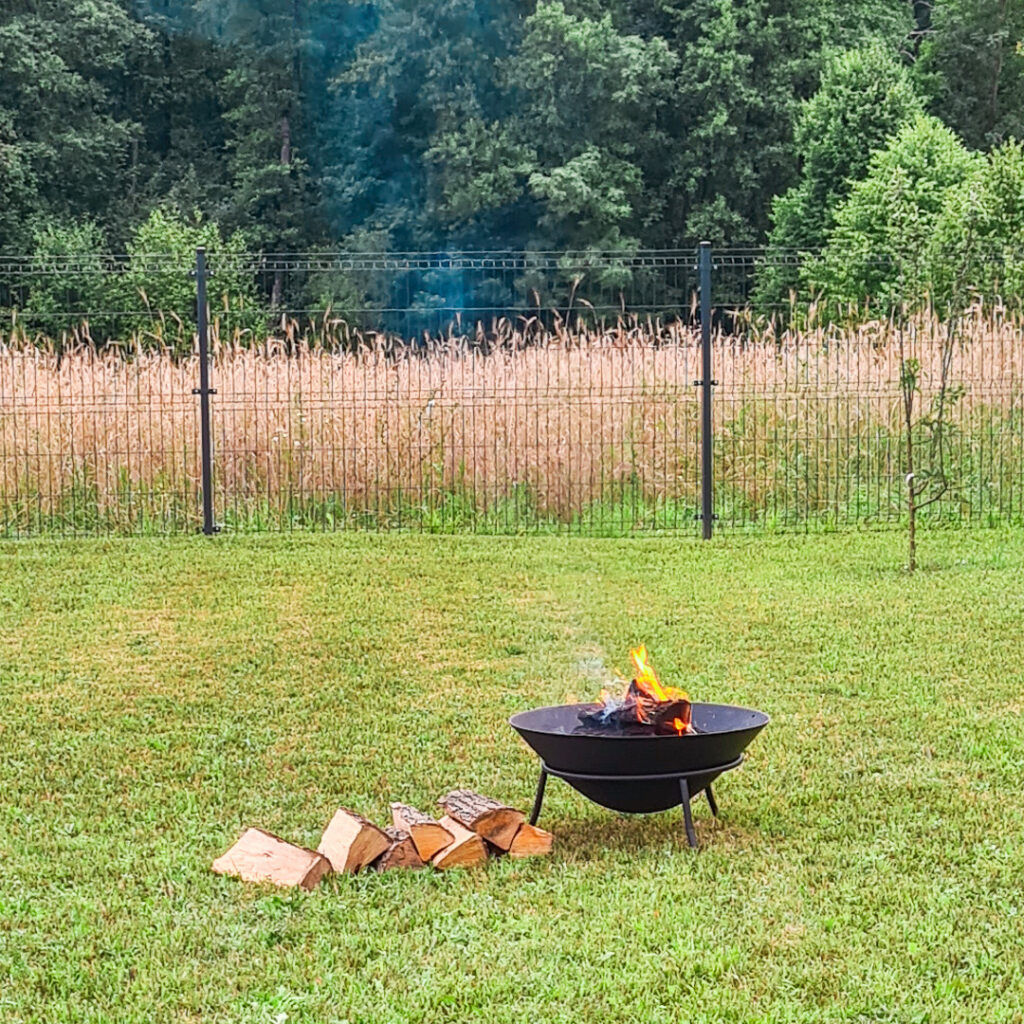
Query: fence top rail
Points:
[286, 261]
[746, 258]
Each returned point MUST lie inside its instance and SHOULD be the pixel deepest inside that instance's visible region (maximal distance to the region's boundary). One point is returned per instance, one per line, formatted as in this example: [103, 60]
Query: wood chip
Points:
[260, 856]
[466, 851]
[350, 842]
[489, 818]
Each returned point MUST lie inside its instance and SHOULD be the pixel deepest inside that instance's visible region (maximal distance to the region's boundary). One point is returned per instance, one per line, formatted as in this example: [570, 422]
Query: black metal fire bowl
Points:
[633, 770]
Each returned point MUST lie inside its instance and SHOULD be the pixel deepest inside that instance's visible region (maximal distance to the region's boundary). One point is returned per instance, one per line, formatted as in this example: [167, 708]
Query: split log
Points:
[429, 835]
[400, 854]
[465, 851]
[350, 842]
[494, 821]
[530, 841]
[263, 857]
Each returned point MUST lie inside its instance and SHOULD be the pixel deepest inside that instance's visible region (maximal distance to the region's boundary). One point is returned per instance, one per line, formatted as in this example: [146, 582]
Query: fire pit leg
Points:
[712, 803]
[539, 798]
[691, 835]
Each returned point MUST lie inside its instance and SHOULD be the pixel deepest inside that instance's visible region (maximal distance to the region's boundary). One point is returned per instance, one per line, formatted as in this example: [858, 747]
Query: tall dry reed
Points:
[597, 427]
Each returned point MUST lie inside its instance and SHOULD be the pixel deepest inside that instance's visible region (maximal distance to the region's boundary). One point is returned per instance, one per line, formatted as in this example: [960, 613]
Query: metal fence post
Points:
[204, 391]
[707, 465]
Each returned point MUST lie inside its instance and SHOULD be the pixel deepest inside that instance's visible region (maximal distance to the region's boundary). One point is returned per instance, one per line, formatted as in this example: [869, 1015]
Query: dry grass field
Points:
[590, 428]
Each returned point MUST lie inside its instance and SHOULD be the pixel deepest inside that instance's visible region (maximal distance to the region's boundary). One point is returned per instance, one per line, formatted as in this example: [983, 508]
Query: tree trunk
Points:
[908, 384]
[911, 492]
[277, 288]
[912, 528]
[1000, 44]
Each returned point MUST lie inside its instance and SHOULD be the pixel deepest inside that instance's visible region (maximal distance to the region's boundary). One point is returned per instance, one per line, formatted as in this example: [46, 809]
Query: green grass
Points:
[158, 695]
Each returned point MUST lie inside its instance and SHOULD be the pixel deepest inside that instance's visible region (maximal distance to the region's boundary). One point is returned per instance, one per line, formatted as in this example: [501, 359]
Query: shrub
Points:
[70, 285]
[158, 289]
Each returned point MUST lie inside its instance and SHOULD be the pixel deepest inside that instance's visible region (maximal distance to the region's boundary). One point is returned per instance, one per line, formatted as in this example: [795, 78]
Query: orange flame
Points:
[643, 694]
[647, 681]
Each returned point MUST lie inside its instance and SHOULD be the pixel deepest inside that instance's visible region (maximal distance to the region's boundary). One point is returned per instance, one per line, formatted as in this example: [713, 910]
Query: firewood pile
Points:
[471, 829]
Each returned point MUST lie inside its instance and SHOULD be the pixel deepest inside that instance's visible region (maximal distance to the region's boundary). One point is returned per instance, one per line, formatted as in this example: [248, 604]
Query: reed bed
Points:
[592, 429]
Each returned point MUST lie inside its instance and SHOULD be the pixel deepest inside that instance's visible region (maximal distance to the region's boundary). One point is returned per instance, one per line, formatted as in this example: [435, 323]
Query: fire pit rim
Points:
[764, 720]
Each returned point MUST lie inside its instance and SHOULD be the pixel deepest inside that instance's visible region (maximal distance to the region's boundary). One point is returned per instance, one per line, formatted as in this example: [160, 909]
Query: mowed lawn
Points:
[156, 696]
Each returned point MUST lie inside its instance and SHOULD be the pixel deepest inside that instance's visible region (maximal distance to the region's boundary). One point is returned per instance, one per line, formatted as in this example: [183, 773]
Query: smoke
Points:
[377, 85]
[392, 115]
[598, 675]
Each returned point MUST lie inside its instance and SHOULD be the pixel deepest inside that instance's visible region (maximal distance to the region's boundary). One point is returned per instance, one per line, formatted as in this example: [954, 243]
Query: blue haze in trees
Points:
[601, 126]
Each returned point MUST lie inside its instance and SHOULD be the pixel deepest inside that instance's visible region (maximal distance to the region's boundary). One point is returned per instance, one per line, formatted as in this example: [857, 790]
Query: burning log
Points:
[494, 821]
[531, 841]
[669, 718]
[401, 853]
[350, 842]
[646, 702]
[429, 835]
[260, 856]
[467, 849]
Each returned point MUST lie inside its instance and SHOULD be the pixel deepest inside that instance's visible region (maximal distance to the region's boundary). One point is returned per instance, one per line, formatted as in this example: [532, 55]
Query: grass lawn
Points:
[158, 695]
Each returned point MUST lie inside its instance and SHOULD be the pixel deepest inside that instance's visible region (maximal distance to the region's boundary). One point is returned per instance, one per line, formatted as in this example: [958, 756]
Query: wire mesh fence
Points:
[494, 392]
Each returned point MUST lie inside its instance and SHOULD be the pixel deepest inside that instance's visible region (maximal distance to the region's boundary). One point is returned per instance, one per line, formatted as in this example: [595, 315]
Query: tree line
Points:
[881, 136]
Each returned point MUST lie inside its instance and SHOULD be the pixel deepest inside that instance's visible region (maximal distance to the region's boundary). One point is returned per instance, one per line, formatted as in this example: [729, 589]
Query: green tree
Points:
[866, 96]
[743, 71]
[70, 285]
[180, 159]
[972, 64]
[270, 199]
[586, 124]
[975, 252]
[566, 167]
[878, 250]
[157, 290]
[65, 132]
[591, 100]
[977, 248]
[402, 93]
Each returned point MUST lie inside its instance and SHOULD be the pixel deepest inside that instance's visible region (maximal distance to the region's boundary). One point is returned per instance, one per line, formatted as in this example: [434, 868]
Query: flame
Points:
[645, 700]
[648, 681]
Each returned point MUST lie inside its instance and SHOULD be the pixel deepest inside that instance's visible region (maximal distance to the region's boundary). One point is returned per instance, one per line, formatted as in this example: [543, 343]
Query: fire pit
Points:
[629, 758]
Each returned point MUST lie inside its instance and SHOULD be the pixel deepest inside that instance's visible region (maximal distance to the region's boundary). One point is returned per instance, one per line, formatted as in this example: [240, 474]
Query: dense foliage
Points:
[602, 125]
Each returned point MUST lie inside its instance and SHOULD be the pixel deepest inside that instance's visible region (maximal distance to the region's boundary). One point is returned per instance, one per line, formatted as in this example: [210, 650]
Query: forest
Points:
[866, 132]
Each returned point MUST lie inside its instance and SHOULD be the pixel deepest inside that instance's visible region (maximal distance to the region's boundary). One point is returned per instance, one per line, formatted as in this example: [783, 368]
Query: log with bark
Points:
[350, 842]
[429, 835]
[494, 821]
[466, 850]
[401, 853]
[260, 856]
[530, 841]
